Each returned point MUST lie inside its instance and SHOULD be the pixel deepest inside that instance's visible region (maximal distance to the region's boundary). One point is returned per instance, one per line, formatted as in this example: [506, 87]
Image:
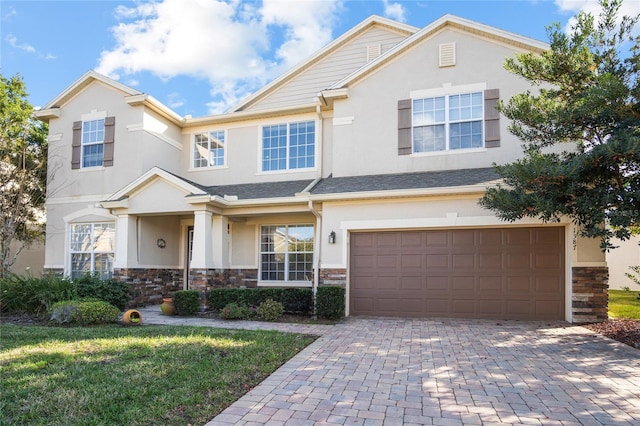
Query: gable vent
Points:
[373, 51]
[447, 54]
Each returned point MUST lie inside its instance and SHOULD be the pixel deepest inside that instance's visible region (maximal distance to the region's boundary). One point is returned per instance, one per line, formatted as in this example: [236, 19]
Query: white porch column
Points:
[221, 242]
[202, 252]
[126, 242]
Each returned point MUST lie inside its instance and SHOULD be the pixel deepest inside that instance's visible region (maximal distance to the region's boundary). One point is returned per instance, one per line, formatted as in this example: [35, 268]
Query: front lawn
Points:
[624, 304]
[132, 375]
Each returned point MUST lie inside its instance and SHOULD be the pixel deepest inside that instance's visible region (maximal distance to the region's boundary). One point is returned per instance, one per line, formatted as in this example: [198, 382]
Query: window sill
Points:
[286, 172]
[206, 169]
[90, 169]
[449, 152]
[284, 283]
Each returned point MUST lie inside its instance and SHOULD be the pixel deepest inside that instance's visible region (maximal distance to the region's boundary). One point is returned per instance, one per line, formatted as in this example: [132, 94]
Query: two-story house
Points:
[361, 167]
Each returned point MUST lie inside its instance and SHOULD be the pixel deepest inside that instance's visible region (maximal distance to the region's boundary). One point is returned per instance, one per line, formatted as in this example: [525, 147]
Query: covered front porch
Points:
[173, 235]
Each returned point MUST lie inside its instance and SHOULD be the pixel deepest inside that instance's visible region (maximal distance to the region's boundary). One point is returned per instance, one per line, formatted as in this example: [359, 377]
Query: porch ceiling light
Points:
[161, 243]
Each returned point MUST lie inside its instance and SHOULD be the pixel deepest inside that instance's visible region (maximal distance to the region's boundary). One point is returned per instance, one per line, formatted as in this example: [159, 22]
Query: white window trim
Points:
[316, 144]
[447, 122]
[70, 252]
[83, 145]
[192, 138]
[283, 283]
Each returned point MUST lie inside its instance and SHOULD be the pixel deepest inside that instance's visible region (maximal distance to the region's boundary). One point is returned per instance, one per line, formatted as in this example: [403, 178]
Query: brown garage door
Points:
[514, 273]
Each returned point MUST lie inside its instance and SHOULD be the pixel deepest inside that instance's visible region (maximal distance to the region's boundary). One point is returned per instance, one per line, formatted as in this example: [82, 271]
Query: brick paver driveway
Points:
[369, 371]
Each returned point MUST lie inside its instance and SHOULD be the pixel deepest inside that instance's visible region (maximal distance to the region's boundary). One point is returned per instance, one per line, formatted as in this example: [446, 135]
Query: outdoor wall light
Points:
[332, 237]
[161, 243]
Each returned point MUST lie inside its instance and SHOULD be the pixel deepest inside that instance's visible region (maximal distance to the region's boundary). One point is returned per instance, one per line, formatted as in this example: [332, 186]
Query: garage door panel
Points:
[518, 236]
[547, 260]
[548, 236]
[550, 284]
[490, 284]
[460, 307]
[411, 240]
[463, 283]
[464, 238]
[437, 283]
[437, 239]
[518, 284]
[411, 283]
[485, 273]
[490, 260]
[463, 261]
[437, 260]
[412, 261]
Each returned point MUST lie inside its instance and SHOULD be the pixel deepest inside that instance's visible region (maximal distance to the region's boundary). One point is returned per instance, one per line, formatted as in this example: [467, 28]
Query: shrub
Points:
[84, 312]
[294, 300]
[187, 302]
[34, 295]
[330, 302]
[114, 292]
[270, 310]
[235, 311]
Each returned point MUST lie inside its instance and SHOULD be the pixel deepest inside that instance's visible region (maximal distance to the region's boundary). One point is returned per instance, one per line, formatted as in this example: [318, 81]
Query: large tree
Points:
[580, 128]
[23, 172]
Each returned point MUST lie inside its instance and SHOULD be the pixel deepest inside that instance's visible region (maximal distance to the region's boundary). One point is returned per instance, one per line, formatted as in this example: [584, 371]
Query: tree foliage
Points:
[23, 172]
[580, 128]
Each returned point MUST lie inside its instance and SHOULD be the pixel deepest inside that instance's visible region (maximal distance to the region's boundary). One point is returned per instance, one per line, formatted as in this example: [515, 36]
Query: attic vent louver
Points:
[373, 51]
[447, 54]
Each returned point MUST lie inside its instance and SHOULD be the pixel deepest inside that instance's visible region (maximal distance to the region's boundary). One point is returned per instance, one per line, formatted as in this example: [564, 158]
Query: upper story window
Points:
[92, 143]
[209, 149]
[288, 146]
[449, 119]
[448, 122]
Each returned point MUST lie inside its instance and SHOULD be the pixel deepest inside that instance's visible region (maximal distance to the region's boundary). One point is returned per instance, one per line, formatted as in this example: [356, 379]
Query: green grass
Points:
[132, 375]
[624, 304]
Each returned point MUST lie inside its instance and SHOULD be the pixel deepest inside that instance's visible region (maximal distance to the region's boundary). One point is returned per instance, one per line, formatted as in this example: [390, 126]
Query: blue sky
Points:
[201, 56]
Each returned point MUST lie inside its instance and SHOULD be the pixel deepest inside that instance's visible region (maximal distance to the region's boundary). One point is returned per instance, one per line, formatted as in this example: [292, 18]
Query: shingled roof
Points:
[422, 180]
[351, 184]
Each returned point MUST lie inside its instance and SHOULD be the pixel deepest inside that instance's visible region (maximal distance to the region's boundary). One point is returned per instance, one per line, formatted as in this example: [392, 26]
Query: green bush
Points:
[294, 300]
[235, 311]
[34, 295]
[330, 302]
[187, 302]
[270, 310]
[114, 292]
[84, 312]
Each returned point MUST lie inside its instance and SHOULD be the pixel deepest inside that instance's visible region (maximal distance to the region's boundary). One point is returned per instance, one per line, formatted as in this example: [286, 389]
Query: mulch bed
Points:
[626, 331]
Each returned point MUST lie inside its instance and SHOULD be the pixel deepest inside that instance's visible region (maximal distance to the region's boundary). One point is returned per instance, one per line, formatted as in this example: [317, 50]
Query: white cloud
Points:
[13, 42]
[226, 43]
[394, 11]
[308, 26]
[629, 7]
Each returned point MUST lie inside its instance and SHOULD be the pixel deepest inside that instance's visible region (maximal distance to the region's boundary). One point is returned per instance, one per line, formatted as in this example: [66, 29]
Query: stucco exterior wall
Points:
[619, 260]
[30, 260]
[372, 137]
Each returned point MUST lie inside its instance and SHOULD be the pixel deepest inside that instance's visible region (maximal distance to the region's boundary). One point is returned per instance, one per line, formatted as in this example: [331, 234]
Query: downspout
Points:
[316, 259]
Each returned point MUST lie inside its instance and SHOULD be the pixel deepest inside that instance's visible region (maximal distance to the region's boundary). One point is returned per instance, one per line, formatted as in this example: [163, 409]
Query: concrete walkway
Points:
[375, 371]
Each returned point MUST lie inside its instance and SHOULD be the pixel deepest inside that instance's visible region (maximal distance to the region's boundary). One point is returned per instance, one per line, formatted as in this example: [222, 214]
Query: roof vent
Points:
[373, 51]
[447, 54]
